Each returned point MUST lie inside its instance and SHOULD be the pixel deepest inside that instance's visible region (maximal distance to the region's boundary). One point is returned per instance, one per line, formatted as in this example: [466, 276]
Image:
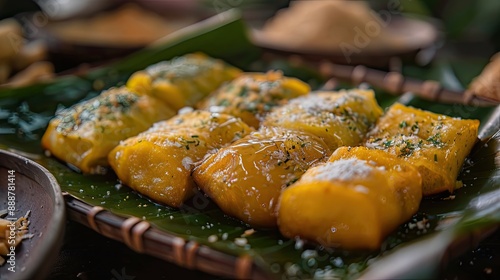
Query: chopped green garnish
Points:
[435, 140]
[224, 102]
[415, 127]
[407, 149]
[388, 143]
[243, 91]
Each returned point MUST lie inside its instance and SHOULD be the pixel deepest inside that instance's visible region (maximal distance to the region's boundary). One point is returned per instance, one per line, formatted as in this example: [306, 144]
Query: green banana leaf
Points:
[25, 112]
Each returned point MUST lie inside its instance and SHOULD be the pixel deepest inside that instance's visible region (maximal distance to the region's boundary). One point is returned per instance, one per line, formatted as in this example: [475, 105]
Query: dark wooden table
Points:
[87, 255]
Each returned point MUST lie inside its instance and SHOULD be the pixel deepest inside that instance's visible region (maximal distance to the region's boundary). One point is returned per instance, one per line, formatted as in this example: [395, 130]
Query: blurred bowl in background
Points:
[348, 33]
[110, 34]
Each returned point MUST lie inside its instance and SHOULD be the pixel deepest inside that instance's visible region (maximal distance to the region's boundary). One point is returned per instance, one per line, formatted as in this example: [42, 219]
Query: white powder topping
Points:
[343, 169]
[187, 162]
[361, 189]
[138, 177]
[314, 103]
[118, 155]
[216, 109]
[185, 110]
[212, 238]
[157, 180]
[309, 254]
[240, 241]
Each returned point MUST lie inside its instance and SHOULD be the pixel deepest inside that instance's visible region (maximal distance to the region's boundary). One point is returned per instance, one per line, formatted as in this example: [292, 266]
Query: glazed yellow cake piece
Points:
[340, 118]
[246, 178]
[435, 144]
[184, 80]
[85, 133]
[352, 201]
[252, 95]
[158, 163]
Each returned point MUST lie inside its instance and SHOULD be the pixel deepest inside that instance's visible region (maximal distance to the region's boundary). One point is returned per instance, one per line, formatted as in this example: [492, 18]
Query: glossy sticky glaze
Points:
[158, 162]
[352, 201]
[246, 178]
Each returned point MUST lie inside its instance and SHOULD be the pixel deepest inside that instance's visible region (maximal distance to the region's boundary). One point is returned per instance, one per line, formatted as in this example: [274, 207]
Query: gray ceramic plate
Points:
[36, 191]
